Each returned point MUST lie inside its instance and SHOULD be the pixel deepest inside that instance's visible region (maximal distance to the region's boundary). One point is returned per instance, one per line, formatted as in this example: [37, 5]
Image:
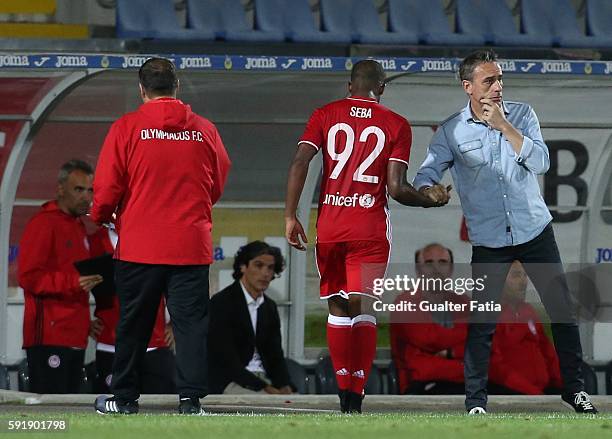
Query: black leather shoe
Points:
[344, 400]
[105, 405]
[580, 402]
[354, 402]
[190, 406]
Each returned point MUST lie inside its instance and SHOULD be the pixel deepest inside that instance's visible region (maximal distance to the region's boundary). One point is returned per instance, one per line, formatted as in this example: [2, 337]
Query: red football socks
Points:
[363, 350]
[339, 343]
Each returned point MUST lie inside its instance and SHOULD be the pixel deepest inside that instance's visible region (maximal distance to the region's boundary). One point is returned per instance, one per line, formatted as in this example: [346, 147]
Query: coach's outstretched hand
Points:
[294, 232]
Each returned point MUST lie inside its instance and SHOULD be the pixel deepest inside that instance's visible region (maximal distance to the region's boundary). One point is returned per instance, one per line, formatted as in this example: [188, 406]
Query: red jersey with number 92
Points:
[357, 137]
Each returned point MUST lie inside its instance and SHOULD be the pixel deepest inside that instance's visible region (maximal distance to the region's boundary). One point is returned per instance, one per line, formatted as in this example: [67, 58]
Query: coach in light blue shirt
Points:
[495, 152]
[495, 174]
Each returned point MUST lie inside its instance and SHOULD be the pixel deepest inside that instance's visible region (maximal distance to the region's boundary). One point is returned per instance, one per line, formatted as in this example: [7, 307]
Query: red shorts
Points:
[350, 267]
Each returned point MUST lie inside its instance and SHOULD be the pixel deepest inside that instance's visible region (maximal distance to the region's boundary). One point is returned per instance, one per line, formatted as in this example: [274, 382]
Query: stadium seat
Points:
[359, 20]
[5, 382]
[392, 382]
[325, 379]
[556, 19]
[492, 19]
[227, 20]
[427, 20]
[298, 376]
[599, 18]
[155, 19]
[374, 386]
[294, 18]
[23, 377]
[88, 379]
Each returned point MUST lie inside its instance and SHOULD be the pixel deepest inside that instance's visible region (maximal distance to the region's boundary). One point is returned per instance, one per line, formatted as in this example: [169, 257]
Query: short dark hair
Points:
[254, 249]
[417, 254]
[368, 72]
[470, 62]
[158, 77]
[71, 166]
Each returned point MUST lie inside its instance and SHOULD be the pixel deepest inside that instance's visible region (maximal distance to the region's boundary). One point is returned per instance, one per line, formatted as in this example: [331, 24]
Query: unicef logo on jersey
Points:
[366, 201]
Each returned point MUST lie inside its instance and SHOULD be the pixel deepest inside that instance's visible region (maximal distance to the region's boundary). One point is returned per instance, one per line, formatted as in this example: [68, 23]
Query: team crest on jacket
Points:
[54, 361]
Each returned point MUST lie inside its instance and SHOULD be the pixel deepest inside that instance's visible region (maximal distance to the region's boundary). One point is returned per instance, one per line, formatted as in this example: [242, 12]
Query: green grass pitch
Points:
[320, 426]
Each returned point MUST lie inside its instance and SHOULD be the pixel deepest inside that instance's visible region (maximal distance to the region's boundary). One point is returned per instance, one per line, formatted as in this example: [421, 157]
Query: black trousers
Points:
[542, 262]
[55, 369]
[157, 375]
[139, 287]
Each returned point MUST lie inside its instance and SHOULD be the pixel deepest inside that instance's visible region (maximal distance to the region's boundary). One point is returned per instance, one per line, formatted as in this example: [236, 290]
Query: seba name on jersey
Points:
[363, 113]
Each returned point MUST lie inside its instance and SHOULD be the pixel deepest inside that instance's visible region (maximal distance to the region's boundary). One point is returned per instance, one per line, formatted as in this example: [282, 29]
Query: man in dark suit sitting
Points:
[244, 338]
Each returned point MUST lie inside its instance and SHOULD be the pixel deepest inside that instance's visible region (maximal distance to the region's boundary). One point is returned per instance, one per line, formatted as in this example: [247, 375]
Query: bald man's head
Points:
[433, 252]
[367, 77]
[434, 261]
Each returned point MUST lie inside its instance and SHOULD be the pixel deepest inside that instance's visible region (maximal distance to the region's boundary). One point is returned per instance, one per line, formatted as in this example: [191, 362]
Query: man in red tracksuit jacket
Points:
[160, 171]
[428, 355]
[56, 312]
[427, 347]
[157, 369]
[428, 352]
[520, 343]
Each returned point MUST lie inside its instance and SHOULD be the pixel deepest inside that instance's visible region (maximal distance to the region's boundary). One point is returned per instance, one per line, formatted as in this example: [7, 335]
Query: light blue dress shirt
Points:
[498, 188]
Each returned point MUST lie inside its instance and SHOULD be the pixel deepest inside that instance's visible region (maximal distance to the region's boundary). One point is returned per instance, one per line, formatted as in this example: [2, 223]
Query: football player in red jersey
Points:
[365, 149]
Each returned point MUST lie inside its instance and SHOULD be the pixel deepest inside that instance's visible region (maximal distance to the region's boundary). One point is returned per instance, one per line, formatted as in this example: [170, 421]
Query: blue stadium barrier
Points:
[295, 19]
[359, 19]
[556, 19]
[227, 20]
[426, 18]
[494, 22]
[275, 63]
[155, 19]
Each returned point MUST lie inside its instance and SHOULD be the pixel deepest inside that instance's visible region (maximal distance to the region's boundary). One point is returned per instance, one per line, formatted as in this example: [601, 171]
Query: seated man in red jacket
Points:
[427, 347]
[56, 312]
[157, 369]
[520, 344]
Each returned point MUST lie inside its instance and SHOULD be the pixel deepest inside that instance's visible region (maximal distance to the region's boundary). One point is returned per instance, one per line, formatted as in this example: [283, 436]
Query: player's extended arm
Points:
[295, 184]
[402, 191]
[439, 158]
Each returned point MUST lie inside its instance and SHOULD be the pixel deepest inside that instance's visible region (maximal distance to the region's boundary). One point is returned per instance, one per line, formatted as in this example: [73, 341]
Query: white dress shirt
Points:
[255, 365]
